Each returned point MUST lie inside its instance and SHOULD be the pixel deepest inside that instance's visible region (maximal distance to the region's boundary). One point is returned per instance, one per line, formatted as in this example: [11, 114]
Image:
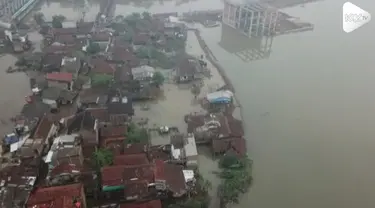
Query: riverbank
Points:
[237, 113]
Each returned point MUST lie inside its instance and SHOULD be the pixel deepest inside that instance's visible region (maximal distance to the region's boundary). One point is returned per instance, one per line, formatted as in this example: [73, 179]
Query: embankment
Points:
[211, 57]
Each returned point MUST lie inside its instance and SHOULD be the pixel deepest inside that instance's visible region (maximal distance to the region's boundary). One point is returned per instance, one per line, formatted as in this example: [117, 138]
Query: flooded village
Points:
[130, 110]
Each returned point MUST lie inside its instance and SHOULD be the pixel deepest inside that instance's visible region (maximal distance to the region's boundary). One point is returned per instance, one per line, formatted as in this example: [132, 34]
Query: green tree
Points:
[103, 157]
[57, 21]
[39, 18]
[119, 18]
[101, 80]
[136, 134]
[236, 177]
[158, 78]
[21, 61]
[146, 15]
[93, 48]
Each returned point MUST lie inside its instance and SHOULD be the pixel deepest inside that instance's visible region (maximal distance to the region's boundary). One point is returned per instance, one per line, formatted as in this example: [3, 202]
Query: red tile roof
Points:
[237, 144]
[136, 188]
[159, 171]
[135, 148]
[112, 175]
[43, 128]
[141, 172]
[149, 204]
[101, 66]
[66, 168]
[158, 154]
[135, 159]
[58, 196]
[102, 36]
[175, 179]
[60, 76]
[113, 131]
[120, 174]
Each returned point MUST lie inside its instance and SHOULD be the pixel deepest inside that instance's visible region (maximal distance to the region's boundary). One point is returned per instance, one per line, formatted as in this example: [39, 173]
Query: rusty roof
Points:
[158, 154]
[60, 76]
[194, 121]
[113, 131]
[135, 148]
[22, 175]
[136, 188]
[112, 175]
[175, 179]
[101, 66]
[115, 146]
[43, 128]
[57, 196]
[124, 55]
[135, 159]
[66, 168]
[149, 204]
[236, 144]
[140, 172]
[159, 171]
[101, 36]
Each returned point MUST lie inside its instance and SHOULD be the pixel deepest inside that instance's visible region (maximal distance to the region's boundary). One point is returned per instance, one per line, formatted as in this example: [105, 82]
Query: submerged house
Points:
[187, 70]
[62, 80]
[143, 73]
[54, 97]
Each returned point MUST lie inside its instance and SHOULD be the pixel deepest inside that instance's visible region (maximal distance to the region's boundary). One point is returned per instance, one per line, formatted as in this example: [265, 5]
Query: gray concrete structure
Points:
[252, 18]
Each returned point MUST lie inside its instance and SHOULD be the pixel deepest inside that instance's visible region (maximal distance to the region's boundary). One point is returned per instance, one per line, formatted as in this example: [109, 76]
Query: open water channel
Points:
[308, 103]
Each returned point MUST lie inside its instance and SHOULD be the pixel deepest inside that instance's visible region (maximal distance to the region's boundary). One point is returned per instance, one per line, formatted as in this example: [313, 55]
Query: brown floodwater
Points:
[14, 88]
[308, 103]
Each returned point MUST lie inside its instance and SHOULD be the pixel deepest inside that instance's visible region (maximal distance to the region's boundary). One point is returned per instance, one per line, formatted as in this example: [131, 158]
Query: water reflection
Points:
[248, 49]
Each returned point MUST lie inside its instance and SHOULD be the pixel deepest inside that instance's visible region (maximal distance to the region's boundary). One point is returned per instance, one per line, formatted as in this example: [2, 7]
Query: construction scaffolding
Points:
[252, 18]
[247, 49]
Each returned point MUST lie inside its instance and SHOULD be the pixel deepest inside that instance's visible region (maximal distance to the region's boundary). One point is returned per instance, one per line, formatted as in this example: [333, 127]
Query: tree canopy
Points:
[93, 48]
[101, 80]
[236, 177]
[57, 21]
[103, 157]
[39, 18]
[135, 134]
[158, 78]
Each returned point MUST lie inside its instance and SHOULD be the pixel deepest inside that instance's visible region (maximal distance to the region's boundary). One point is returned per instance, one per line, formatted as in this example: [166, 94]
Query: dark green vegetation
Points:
[57, 21]
[236, 177]
[103, 157]
[198, 197]
[158, 78]
[93, 48]
[136, 134]
[101, 80]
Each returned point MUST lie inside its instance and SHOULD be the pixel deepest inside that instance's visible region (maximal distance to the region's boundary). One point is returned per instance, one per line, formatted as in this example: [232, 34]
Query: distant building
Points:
[252, 18]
